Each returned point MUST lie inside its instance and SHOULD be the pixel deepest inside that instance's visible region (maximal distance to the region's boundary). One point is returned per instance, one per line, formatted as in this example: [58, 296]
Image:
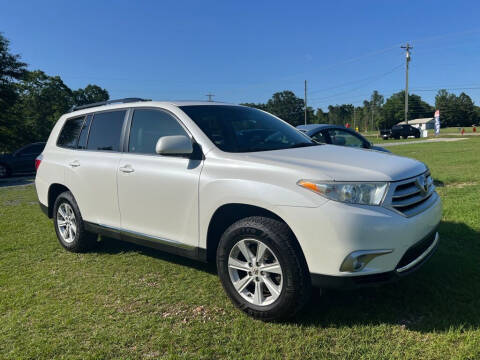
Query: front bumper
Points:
[329, 233]
[413, 259]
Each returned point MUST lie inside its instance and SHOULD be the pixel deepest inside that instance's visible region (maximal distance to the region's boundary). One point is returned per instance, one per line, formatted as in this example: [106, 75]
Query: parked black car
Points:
[21, 161]
[398, 131]
[337, 135]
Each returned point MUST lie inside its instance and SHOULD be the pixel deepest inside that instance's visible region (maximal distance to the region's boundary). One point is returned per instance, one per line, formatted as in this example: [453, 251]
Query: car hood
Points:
[340, 163]
[379, 148]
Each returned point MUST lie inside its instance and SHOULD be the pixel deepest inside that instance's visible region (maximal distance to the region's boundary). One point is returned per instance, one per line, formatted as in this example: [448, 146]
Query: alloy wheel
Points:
[66, 223]
[255, 272]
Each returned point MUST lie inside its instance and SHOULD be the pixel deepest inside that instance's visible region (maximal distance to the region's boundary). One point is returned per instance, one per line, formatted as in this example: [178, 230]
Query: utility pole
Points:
[407, 59]
[305, 102]
[210, 96]
[354, 118]
[372, 110]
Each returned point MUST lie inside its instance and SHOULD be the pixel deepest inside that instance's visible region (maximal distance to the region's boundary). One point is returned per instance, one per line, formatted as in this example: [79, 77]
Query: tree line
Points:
[376, 112]
[32, 101]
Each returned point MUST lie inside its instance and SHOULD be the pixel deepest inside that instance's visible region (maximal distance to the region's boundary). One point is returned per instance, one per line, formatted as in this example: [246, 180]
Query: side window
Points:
[344, 138]
[105, 131]
[319, 137]
[70, 131]
[82, 139]
[148, 126]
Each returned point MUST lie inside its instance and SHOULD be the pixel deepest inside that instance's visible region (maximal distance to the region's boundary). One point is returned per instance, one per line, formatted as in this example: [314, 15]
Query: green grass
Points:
[125, 301]
[380, 141]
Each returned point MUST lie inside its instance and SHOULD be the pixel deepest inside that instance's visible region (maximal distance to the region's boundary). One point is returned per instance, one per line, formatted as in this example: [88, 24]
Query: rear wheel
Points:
[4, 171]
[69, 225]
[262, 270]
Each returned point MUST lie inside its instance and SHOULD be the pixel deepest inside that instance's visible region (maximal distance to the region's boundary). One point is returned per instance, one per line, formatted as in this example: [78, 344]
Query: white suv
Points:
[277, 211]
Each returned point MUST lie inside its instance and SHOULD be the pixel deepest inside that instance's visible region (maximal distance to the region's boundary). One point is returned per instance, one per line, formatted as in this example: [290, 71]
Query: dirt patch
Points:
[183, 312]
[187, 314]
[461, 185]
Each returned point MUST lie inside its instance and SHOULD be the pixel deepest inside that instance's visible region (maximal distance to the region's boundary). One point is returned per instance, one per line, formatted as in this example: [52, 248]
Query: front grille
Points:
[416, 250]
[412, 196]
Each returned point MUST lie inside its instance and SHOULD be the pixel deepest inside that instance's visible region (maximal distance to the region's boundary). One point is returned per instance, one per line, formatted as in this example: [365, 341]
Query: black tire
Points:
[417, 136]
[296, 288]
[397, 137]
[404, 137]
[83, 240]
[4, 171]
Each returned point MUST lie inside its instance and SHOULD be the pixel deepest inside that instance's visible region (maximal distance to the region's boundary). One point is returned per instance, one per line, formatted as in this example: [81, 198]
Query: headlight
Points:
[352, 193]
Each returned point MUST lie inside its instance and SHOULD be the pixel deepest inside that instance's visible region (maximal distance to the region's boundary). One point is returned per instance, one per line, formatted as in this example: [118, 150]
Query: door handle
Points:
[74, 163]
[127, 169]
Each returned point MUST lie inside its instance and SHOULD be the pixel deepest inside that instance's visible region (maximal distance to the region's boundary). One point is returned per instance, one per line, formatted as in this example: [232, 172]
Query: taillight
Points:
[38, 161]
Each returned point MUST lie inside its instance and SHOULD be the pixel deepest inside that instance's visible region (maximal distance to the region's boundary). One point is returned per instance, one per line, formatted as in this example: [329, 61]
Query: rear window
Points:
[70, 131]
[35, 149]
[105, 131]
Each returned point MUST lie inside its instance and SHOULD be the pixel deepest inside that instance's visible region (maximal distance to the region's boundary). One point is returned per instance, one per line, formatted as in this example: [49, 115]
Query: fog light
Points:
[357, 260]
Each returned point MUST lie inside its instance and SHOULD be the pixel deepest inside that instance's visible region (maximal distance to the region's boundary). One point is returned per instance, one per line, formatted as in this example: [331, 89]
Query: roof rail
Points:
[100, 103]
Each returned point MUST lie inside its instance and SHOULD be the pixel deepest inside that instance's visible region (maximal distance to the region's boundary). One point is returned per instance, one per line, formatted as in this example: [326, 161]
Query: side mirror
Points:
[174, 145]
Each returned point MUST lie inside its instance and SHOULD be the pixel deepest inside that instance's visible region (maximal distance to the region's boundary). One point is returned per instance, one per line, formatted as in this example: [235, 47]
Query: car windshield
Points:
[244, 129]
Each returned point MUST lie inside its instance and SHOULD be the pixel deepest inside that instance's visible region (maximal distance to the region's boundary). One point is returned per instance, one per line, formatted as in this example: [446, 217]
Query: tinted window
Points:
[148, 126]
[344, 138]
[70, 131]
[244, 129]
[32, 149]
[105, 131]
[319, 137]
[82, 139]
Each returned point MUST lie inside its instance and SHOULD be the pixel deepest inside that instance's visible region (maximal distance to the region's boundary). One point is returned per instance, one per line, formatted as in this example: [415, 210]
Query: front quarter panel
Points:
[241, 182]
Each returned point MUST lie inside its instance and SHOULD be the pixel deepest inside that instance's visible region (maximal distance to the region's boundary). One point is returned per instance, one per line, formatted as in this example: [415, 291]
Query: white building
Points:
[422, 124]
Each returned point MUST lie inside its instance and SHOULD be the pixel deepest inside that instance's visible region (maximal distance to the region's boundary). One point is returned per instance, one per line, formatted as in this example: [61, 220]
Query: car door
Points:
[91, 161]
[345, 138]
[25, 158]
[158, 194]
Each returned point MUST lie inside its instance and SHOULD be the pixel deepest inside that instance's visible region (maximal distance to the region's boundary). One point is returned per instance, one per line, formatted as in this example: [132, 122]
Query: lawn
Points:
[125, 301]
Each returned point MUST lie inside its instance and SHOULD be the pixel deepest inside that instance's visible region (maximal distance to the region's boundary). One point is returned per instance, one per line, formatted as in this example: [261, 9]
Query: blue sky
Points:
[244, 51]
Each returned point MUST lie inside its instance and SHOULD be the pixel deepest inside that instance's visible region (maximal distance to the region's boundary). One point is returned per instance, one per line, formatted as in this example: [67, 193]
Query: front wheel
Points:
[262, 269]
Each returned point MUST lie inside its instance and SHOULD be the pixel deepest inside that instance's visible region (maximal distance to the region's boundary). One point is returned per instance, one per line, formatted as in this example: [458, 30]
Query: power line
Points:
[451, 89]
[357, 88]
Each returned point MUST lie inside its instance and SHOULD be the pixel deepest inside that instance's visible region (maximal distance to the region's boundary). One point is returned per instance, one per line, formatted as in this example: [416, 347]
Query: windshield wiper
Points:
[303, 145]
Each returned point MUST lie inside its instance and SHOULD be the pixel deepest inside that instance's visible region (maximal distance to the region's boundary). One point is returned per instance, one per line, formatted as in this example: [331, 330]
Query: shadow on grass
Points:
[114, 246]
[16, 181]
[443, 294]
